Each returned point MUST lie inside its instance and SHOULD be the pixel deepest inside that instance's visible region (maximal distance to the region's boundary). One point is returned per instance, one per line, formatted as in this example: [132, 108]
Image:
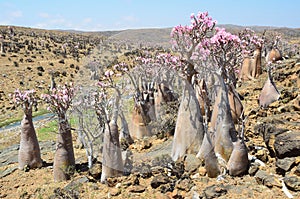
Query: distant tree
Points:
[29, 151]
[90, 131]
[152, 78]
[251, 46]
[1, 44]
[60, 100]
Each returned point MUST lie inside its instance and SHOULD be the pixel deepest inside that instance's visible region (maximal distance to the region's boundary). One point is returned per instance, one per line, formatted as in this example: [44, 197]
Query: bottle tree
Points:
[214, 55]
[107, 107]
[29, 151]
[251, 45]
[60, 100]
[191, 42]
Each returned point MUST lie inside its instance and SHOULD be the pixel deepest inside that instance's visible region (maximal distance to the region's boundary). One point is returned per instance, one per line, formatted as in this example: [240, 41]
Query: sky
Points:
[102, 15]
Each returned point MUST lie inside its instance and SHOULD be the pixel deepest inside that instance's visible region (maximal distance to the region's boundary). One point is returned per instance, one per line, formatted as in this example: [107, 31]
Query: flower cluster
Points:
[121, 67]
[226, 52]
[168, 59]
[222, 37]
[250, 41]
[27, 99]
[60, 98]
[187, 39]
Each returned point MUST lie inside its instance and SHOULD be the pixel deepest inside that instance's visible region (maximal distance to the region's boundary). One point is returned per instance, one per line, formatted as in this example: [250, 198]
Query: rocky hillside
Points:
[31, 56]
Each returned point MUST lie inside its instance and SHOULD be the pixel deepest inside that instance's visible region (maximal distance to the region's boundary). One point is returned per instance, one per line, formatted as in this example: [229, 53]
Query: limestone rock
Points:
[263, 178]
[287, 144]
[159, 180]
[136, 189]
[292, 182]
[215, 191]
[284, 165]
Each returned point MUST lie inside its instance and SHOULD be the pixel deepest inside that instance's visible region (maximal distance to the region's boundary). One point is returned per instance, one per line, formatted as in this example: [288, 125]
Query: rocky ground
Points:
[154, 175]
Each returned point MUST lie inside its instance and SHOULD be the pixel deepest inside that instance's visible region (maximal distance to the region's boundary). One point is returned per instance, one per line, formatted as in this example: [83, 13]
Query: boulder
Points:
[287, 144]
[292, 182]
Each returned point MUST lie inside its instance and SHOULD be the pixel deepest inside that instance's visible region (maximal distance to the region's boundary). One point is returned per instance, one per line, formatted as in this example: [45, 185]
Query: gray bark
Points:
[189, 130]
[64, 159]
[29, 152]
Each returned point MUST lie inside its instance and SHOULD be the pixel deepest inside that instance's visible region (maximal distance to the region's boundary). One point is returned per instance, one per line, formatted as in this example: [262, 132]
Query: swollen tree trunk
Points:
[207, 154]
[29, 152]
[189, 130]
[269, 93]
[257, 57]
[225, 133]
[112, 163]
[235, 103]
[125, 129]
[1, 47]
[64, 160]
[273, 55]
[140, 121]
[251, 66]
[238, 163]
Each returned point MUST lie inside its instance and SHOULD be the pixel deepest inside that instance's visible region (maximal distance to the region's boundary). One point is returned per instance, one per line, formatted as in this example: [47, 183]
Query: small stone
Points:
[26, 168]
[297, 171]
[215, 191]
[185, 184]
[132, 180]
[144, 144]
[287, 144]
[262, 155]
[192, 163]
[284, 165]
[156, 170]
[96, 171]
[202, 171]
[292, 182]
[61, 61]
[144, 170]
[114, 191]
[76, 183]
[253, 169]
[136, 189]
[159, 180]
[262, 177]
[40, 68]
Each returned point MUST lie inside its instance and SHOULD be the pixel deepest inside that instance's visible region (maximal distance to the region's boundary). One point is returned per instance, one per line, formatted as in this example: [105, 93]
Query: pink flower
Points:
[109, 73]
[192, 16]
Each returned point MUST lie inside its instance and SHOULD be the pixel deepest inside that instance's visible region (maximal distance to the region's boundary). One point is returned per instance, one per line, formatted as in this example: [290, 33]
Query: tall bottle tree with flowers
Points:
[60, 100]
[29, 152]
[192, 43]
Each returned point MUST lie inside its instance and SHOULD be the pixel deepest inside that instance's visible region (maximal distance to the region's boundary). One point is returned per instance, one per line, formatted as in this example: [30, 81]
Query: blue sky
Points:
[99, 15]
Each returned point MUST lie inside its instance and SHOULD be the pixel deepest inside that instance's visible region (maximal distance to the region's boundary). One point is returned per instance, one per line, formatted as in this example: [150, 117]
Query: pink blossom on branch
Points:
[27, 99]
[250, 41]
[186, 38]
[60, 99]
[202, 44]
[222, 37]
[226, 52]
